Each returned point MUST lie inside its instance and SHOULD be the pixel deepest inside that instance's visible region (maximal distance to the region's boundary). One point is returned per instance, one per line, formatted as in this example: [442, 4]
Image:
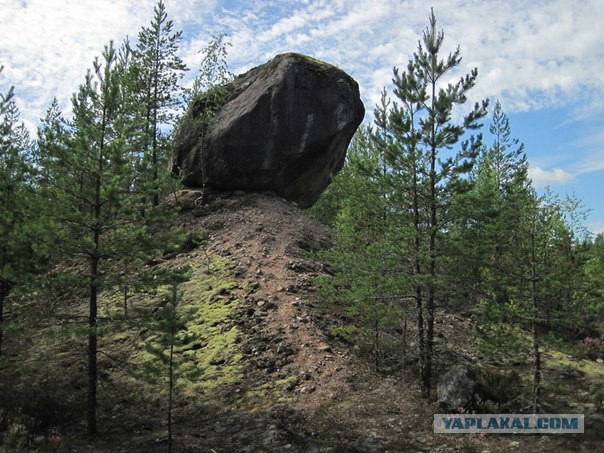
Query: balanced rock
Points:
[282, 127]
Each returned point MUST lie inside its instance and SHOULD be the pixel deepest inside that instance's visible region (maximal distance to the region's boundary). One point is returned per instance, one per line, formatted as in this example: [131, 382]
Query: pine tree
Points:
[87, 180]
[529, 300]
[421, 125]
[15, 197]
[169, 324]
[501, 189]
[154, 74]
[366, 282]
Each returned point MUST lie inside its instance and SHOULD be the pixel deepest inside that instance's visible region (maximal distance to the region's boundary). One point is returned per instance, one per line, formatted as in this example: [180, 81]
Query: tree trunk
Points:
[419, 302]
[125, 300]
[376, 345]
[404, 357]
[536, 369]
[3, 294]
[155, 156]
[92, 348]
[95, 258]
[170, 392]
[171, 366]
[433, 225]
[534, 307]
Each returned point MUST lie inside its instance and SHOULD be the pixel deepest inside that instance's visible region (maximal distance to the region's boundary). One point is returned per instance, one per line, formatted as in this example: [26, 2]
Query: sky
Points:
[542, 59]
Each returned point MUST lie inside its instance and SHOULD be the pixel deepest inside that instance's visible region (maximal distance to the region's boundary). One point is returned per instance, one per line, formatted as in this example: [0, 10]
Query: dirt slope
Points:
[328, 399]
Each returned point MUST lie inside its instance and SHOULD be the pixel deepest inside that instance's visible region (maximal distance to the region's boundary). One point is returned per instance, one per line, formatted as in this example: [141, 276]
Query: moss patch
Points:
[206, 354]
[558, 359]
[287, 383]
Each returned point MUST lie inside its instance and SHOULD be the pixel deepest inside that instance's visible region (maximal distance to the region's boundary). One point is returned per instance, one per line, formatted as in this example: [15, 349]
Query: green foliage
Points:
[210, 88]
[416, 133]
[89, 191]
[15, 201]
[213, 71]
[346, 333]
[394, 202]
[366, 282]
[152, 78]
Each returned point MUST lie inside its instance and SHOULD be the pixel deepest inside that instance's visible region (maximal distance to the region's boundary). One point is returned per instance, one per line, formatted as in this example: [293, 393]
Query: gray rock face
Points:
[285, 127]
[456, 389]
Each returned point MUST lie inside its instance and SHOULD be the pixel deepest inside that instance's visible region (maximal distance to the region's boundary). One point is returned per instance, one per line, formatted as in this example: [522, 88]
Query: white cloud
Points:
[47, 45]
[596, 228]
[542, 178]
[531, 55]
[591, 163]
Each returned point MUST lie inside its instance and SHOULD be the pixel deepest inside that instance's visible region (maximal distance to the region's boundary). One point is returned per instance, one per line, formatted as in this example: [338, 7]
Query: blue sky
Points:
[543, 59]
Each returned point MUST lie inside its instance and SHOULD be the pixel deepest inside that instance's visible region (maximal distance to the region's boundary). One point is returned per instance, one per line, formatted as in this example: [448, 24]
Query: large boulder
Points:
[283, 127]
[467, 387]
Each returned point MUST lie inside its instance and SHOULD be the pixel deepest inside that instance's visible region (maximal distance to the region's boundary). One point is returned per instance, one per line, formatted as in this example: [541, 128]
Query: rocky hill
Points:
[258, 371]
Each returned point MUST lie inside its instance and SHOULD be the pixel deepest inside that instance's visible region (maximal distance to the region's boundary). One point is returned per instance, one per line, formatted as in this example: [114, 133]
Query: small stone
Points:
[306, 375]
[261, 303]
[599, 360]
[307, 389]
[324, 347]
